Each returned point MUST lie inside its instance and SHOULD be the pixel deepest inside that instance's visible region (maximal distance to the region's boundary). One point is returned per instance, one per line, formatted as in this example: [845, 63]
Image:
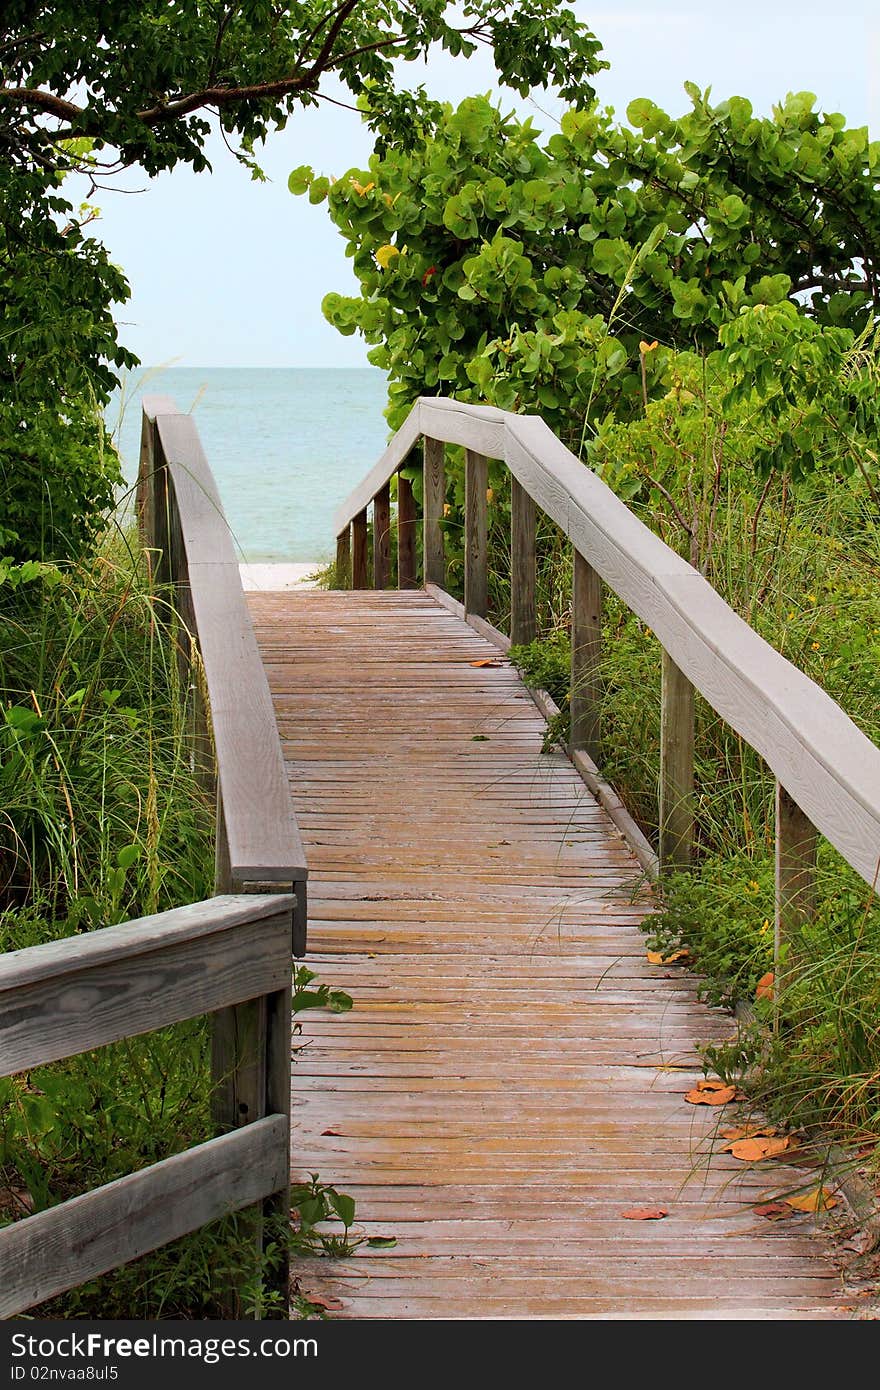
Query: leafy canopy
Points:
[494, 265]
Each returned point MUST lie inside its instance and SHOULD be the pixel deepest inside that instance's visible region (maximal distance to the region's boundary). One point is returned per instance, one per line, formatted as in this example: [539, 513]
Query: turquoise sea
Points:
[286, 445]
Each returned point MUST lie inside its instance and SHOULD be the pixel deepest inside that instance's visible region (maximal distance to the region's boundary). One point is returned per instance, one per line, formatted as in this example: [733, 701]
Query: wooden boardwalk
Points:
[512, 1077]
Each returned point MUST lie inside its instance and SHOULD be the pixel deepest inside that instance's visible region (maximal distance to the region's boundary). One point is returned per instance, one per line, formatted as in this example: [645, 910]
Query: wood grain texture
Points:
[382, 537]
[523, 627]
[586, 655]
[343, 559]
[676, 815]
[71, 996]
[406, 534]
[476, 559]
[512, 1075]
[433, 503]
[263, 838]
[69, 1244]
[796, 844]
[359, 578]
[829, 767]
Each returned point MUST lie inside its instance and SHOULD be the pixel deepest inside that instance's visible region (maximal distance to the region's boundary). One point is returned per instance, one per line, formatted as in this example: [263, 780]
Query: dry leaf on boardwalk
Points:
[764, 987]
[773, 1211]
[753, 1150]
[325, 1301]
[820, 1199]
[487, 661]
[711, 1093]
[644, 1214]
[658, 958]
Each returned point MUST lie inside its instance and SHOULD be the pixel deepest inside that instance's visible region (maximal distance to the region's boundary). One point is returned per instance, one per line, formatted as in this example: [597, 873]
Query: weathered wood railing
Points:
[70, 996]
[827, 771]
[229, 957]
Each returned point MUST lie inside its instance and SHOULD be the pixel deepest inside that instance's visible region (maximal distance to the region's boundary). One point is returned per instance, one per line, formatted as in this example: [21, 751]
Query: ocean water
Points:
[286, 446]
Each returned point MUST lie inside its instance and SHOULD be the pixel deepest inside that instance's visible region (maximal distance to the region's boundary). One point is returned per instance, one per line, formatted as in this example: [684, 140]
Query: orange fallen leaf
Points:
[820, 1199]
[333, 1132]
[748, 1132]
[644, 1214]
[326, 1301]
[487, 661]
[711, 1093]
[764, 987]
[774, 1211]
[658, 958]
[752, 1150]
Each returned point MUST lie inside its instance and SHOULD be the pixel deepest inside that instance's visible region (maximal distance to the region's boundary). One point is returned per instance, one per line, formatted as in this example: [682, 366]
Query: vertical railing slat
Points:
[586, 650]
[382, 537]
[359, 551]
[676, 767]
[523, 622]
[434, 493]
[476, 560]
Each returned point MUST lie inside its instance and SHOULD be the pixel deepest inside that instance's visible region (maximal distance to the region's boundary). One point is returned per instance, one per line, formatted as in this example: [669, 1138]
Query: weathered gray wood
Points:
[796, 844]
[406, 534]
[586, 653]
[382, 537]
[46, 1254]
[434, 501]
[359, 551]
[263, 838]
[523, 626]
[476, 576]
[343, 559]
[830, 767]
[276, 1208]
[74, 998]
[676, 767]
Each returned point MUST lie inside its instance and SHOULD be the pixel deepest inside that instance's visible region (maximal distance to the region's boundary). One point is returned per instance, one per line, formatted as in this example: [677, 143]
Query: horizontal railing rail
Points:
[182, 523]
[70, 996]
[827, 770]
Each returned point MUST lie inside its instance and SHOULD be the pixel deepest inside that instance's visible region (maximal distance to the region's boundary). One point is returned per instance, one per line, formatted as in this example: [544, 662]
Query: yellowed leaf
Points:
[647, 347]
[385, 255]
[819, 1199]
[658, 958]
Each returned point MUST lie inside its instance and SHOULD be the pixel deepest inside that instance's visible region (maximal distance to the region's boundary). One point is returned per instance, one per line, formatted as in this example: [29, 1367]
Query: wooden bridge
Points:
[507, 1098]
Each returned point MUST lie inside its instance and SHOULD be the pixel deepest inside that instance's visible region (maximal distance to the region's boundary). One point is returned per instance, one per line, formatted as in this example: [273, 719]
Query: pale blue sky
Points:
[226, 272]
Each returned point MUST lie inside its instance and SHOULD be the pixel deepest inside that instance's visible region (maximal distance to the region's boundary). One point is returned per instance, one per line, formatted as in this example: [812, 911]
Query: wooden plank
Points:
[676, 767]
[406, 534]
[433, 503]
[586, 653]
[513, 1063]
[359, 552]
[476, 575]
[523, 623]
[71, 996]
[67, 1245]
[382, 537]
[796, 845]
[343, 559]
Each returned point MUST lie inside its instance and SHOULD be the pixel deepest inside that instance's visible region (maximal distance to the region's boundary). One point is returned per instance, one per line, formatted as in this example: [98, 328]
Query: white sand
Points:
[275, 578]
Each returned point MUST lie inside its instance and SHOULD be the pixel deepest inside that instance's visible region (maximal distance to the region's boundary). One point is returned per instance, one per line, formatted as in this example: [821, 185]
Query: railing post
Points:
[382, 537]
[343, 559]
[359, 551]
[676, 767]
[796, 842]
[406, 534]
[476, 560]
[523, 626]
[276, 1209]
[586, 649]
[434, 493]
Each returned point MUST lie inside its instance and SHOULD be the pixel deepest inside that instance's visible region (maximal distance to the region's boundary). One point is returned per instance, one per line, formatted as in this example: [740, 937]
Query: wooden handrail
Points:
[182, 521]
[70, 996]
[829, 769]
